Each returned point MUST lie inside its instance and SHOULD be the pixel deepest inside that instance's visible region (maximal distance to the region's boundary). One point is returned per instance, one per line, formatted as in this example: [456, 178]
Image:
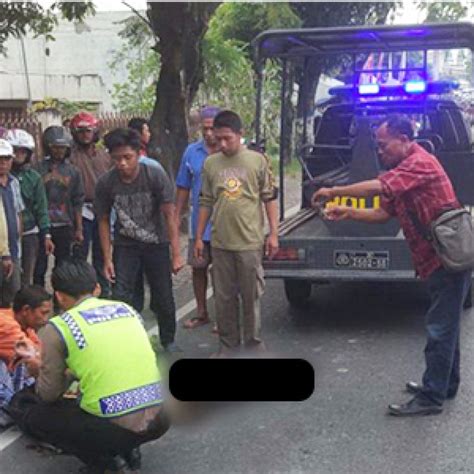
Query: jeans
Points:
[447, 293]
[155, 261]
[62, 239]
[65, 425]
[91, 237]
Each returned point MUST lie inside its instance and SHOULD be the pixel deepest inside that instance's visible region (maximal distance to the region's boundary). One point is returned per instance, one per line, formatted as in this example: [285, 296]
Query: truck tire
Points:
[297, 292]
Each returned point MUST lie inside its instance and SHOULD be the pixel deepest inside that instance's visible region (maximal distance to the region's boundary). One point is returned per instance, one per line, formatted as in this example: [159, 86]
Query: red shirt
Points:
[418, 184]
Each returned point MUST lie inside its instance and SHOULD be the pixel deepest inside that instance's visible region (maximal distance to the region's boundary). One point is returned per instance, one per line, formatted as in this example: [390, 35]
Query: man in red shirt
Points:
[19, 344]
[92, 162]
[418, 184]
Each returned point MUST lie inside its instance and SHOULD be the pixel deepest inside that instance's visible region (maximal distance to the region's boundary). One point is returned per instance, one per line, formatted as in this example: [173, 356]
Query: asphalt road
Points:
[364, 342]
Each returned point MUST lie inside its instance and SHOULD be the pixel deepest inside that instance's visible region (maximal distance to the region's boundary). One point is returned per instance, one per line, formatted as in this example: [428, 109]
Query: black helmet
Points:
[56, 135]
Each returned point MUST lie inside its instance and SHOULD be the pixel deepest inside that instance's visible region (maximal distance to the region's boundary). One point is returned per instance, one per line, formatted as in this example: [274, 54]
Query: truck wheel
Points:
[297, 292]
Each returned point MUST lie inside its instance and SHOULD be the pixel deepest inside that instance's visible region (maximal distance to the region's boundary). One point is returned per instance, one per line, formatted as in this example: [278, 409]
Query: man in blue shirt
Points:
[10, 194]
[188, 182]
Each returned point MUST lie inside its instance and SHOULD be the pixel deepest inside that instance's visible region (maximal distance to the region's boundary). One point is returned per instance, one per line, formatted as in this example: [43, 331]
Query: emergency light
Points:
[415, 87]
[409, 88]
[369, 89]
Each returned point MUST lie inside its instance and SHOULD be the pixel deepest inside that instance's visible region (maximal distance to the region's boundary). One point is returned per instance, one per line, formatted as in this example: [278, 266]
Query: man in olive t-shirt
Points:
[235, 183]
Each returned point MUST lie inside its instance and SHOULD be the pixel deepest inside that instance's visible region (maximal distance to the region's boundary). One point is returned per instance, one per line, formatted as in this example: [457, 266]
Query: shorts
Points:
[205, 262]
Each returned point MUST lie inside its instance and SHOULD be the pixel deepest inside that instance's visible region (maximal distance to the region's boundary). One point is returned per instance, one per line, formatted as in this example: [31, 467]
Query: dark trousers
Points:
[62, 239]
[139, 293]
[29, 255]
[64, 424]
[447, 293]
[156, 264]
[91, 237]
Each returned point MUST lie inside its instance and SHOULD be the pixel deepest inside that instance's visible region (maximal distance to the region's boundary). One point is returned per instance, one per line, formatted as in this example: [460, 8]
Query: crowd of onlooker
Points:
[113, 204]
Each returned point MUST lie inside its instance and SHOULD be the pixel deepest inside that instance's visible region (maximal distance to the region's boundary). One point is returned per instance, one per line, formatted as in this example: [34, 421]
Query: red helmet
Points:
[84, 120]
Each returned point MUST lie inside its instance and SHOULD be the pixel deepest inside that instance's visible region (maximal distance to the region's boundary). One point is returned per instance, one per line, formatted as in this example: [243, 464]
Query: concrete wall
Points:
[76, 68]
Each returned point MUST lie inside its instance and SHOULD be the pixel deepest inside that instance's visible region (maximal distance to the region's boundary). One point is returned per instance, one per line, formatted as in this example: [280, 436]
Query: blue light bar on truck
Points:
[415, 87]
[408, 89]
[369, 89]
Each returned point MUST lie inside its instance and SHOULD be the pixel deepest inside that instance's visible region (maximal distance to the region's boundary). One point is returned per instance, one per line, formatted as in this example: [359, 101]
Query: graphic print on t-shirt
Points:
[232, 181]
[135, 214]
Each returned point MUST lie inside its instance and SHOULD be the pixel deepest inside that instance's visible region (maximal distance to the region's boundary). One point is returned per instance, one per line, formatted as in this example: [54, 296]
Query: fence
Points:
[25, 122]
[31, 123]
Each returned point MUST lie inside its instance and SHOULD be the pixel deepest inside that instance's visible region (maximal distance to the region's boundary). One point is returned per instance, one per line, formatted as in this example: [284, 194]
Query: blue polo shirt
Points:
[150, 162]
[13, 205]
[189, 177]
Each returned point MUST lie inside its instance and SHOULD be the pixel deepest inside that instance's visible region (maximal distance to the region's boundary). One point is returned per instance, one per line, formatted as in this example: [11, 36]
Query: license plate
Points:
[361, 260]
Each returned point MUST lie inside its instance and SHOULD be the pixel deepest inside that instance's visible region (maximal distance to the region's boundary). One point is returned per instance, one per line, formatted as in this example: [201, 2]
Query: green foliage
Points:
[66, 108]
[437, 12]
[229, 79]
[244, 21]
[17, 18]
[142, 63]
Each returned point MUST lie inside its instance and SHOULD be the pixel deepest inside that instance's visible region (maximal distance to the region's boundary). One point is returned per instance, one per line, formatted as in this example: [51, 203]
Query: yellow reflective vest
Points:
[108, 350]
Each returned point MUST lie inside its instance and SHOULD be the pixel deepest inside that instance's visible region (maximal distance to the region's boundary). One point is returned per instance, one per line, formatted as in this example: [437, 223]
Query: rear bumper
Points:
[320, 275]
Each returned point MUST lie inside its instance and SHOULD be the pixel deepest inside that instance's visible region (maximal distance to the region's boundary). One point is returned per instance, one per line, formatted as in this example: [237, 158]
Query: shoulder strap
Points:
[422, 230]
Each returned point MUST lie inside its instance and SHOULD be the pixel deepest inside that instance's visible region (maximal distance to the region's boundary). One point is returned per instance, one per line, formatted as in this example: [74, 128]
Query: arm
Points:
[203, 218]
[79, 234]
[106, 245]
[7, 263]
[77, 201]
[40, 211]
[51, 382]
[103, 207]
[168, 211]
[370, 216]
[363, 189]
[182, 197]
[271, 245]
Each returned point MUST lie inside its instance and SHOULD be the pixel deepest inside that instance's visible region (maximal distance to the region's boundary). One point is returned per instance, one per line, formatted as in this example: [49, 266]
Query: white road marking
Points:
[9, 436]
[182, 312]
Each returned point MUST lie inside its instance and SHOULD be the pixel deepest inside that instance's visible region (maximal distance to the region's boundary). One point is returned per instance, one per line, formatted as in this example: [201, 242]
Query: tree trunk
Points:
[180, 28]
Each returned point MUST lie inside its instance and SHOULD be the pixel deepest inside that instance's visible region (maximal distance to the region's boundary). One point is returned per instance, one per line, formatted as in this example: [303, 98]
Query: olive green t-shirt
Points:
[235, 187]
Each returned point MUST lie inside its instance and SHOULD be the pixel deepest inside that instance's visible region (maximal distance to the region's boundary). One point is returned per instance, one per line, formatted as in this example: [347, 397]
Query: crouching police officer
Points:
[105, 346]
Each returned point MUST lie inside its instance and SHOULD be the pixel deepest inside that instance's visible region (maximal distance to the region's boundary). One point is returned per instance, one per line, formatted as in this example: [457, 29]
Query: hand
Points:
[271, 246]
[48, 246]
[177, 264]
[33, 366]
[24, 350]
[338, 213]
[199, 249]
[7, 266]
[78, 236]
[323, 194]
[109, 271]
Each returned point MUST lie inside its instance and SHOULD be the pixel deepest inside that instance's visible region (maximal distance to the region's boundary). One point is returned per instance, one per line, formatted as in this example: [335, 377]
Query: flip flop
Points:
[195, 322]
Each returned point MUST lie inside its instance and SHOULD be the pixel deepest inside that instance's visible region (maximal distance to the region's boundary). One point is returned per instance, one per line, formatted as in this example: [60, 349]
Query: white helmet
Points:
[19, 138]
[5, 148]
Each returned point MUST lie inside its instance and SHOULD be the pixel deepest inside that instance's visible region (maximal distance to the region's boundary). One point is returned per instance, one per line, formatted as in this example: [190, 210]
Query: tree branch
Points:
[139, 15]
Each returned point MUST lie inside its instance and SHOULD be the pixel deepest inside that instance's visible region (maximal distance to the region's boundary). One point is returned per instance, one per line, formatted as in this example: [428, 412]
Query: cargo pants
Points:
[237, 273]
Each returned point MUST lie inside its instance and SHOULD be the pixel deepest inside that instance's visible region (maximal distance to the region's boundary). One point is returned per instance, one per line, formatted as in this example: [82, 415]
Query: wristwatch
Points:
[48, 236]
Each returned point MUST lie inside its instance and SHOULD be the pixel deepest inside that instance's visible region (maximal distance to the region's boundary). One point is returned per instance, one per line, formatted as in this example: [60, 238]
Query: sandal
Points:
[195, 322]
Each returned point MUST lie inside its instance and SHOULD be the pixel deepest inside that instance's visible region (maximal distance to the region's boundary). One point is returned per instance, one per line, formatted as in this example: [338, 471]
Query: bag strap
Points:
[423, 231]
